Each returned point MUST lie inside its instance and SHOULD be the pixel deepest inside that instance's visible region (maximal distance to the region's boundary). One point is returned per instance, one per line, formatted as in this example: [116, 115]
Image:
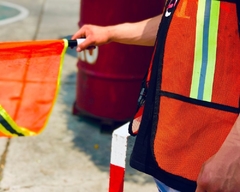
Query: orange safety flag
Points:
[29, 81]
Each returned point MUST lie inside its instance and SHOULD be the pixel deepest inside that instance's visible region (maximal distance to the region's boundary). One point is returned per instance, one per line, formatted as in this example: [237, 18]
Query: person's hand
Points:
[221, 173]
[95, 35]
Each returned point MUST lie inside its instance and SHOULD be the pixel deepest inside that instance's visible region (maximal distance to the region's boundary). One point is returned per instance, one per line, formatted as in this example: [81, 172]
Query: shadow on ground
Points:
[90, 138]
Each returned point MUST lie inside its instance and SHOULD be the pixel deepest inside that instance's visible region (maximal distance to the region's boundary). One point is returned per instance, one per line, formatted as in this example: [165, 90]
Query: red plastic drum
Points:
[109, 77]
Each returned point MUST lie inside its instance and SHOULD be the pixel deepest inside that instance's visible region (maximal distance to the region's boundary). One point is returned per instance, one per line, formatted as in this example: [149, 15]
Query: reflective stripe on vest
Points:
[205, 50]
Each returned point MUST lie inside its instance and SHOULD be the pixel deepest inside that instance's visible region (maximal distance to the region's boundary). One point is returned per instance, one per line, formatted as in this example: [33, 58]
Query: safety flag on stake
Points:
[29, 82]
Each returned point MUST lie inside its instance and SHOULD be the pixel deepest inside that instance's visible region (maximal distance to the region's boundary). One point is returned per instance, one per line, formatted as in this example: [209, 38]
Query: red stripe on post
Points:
[116, 178]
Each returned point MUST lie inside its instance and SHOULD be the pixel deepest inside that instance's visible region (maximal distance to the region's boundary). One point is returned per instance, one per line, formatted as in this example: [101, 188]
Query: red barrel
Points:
[109, 77]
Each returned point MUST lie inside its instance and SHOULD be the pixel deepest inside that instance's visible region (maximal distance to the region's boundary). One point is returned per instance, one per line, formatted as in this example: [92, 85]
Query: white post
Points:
[118, 158]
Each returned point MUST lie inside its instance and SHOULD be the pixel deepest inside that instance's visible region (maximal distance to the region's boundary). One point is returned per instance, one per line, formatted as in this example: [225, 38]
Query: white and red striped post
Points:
[118, 158]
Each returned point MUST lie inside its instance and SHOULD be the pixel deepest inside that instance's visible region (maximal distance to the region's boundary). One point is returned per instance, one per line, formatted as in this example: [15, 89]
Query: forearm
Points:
[140, 33]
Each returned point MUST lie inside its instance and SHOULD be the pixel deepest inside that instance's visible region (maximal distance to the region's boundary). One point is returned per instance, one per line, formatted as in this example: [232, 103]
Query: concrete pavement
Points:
[72, 154]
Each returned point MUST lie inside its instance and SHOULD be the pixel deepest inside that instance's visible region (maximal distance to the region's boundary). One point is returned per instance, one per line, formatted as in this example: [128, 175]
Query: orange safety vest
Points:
[193, 96]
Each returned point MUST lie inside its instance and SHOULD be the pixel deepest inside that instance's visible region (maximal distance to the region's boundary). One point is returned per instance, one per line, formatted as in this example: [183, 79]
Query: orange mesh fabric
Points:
[29, 78]
[180, 147]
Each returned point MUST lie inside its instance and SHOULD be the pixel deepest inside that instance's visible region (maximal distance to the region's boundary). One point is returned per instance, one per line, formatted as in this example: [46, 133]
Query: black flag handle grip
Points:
[76, 42]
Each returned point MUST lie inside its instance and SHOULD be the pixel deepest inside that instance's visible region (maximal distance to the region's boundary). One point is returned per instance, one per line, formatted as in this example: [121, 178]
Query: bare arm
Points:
[139, 33]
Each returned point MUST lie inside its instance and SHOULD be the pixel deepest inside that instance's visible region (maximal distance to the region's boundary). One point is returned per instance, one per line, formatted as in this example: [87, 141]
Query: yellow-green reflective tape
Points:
[212, 45]
[198, 49]
[9, 128]
[205, 49]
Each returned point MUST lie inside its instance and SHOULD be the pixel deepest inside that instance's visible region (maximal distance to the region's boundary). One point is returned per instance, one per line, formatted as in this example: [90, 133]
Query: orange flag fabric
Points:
[29, 82]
